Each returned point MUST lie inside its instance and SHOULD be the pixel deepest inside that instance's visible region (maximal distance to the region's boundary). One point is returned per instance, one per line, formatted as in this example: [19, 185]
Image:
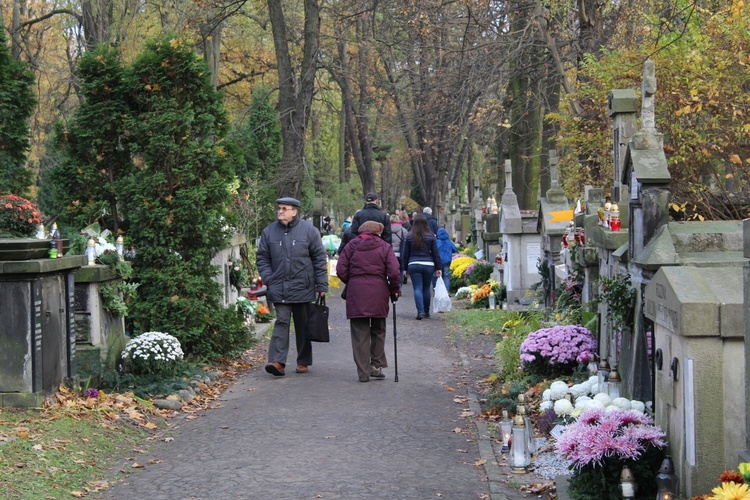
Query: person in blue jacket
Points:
[446, 249]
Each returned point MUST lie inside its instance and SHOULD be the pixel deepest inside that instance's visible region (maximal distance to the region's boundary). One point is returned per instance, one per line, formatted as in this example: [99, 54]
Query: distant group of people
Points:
[377, 254]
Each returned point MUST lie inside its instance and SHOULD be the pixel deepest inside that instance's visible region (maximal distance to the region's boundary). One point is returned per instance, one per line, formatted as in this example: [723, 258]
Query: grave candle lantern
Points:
[627, 483]
[520, 456]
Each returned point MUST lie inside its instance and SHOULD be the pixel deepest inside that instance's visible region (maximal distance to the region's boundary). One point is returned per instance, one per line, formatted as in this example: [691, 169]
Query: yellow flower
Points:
[744, 469]
[730, 491]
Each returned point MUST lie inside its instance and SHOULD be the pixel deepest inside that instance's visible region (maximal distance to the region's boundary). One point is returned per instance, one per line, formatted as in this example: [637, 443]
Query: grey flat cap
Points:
[294, 202]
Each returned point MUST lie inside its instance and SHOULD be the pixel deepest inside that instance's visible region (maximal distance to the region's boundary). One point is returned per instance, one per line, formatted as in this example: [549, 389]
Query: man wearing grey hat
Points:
[291, 261]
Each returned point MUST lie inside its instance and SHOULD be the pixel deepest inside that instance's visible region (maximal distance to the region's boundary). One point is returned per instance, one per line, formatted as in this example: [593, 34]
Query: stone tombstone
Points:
[645, 172]
[647, 178]
[231, 253]
[37, 332]
[745, 454]
[696, 303]
[552, 221]
[521, 244]
[622, 106]
[100, 335]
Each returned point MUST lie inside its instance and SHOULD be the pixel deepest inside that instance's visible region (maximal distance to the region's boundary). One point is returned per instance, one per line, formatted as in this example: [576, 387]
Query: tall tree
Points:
[16, 106]
[86, 186]
[440, 62]
[178, 195]
[296, 87]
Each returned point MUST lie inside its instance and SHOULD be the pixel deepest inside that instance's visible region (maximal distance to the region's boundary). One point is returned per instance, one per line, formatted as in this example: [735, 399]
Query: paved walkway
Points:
[326, 435]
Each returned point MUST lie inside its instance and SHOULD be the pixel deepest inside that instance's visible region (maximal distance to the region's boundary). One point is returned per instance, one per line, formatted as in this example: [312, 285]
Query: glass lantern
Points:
[613, 384]
[520, 456]
[91, 251]
[666, 480]
[506, 428]
[602, 374]
[627, 483]
[120, 246]
[521, 410]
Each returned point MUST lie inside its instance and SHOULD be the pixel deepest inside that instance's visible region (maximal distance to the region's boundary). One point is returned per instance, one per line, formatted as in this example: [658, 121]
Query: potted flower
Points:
[19, 217]
[601, 442]
[153, 353]
[557, 350]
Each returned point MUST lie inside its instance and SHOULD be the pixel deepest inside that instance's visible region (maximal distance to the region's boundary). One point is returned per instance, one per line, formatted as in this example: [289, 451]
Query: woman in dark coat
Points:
[421, 258]
[370, 270]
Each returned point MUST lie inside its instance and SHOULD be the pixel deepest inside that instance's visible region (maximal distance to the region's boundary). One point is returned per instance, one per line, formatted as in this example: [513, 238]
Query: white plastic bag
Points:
[442, 301]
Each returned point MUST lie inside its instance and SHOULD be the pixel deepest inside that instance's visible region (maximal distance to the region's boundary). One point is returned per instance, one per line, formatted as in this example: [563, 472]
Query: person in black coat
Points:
[372, 211]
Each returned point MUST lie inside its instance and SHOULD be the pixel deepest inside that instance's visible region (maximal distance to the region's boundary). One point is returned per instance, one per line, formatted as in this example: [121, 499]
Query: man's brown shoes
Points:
[302, 369]
[276, 369]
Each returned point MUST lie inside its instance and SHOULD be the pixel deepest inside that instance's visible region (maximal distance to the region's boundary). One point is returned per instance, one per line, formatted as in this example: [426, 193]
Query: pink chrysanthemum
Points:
[598, 435]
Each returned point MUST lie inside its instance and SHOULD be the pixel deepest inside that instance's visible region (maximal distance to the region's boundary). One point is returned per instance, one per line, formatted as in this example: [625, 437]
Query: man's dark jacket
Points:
[432, 222]
[372, 212]
[291, 261]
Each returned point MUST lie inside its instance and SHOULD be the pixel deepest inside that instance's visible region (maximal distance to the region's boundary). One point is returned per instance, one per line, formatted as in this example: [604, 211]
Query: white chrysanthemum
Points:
[558, 390]
[594, 389]
[623, 403]
[594, 404]
[581, 399]
[546, 405]
[578, 390]
[603, 398]
[563, 407]
[612, 408]
[546, 395]
[577, 412]
[583, 405]
[638, 406]
[593, 380]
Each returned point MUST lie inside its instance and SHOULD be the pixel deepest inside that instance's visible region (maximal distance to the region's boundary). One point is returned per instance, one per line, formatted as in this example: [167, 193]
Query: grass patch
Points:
[475, 321]
[68, 450]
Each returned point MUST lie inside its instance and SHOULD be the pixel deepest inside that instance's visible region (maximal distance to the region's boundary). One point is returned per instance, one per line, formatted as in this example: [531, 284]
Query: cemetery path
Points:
[326, 435]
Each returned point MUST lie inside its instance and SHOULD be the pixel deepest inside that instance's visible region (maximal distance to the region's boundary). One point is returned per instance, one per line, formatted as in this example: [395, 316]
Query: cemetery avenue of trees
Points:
[169, 122]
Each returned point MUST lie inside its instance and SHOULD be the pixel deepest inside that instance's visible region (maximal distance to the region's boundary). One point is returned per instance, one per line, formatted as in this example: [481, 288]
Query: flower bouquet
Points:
[557, 350]
[18, 216]
[153, 353]
[734, 485]
[601, 442]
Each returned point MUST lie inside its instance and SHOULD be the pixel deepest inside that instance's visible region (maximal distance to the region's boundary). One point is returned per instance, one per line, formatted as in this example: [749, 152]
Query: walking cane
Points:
[395, 344]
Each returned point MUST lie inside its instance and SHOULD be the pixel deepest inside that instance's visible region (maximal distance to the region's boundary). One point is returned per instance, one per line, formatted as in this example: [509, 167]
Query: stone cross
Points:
[508, 177]
[648, 89]
[553, 161]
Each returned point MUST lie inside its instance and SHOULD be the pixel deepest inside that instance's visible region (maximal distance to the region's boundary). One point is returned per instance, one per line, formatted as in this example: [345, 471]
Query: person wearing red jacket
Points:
[370, 270]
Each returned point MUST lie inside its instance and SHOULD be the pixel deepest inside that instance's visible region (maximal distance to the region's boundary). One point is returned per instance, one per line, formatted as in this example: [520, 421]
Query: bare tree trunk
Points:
[97, 21]
[295, 92]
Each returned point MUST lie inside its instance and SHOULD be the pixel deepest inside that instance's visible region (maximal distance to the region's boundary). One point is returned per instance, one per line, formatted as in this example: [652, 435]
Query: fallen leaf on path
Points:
[136, 465]
[480, 462]
[450, 389]
[457, 430]
[77, 494]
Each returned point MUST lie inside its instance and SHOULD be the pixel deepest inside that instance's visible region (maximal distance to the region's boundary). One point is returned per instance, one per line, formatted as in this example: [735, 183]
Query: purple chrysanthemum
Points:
[91, 393]
[565, 345]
